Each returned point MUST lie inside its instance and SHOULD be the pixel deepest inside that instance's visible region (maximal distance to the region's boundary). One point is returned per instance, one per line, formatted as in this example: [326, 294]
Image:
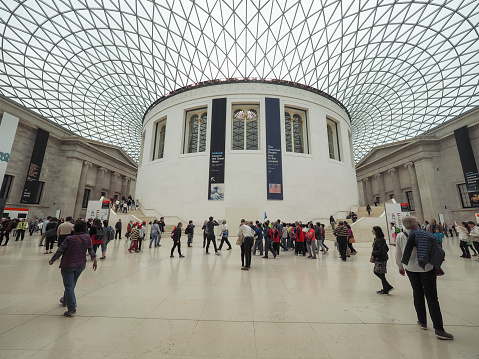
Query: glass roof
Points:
[94, 66]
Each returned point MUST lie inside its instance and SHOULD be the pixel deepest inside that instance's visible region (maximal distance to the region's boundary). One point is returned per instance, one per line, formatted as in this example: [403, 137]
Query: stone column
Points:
[113, 184]
[415, 191]
[128, 183]
[396, 184]
[81, 188]
[133, 188]
[96, 193]
[427, 176]
[382, 187]
[369, 191]
[123, 187]
[67, 188]
[365, 191]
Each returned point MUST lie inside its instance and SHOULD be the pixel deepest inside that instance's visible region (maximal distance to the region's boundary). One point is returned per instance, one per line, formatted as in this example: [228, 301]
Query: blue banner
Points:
[274, 163]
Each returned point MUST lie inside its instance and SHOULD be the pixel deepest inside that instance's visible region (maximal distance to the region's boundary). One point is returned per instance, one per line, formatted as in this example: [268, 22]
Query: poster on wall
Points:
[468, 162]
[274, 163]
[31, 188]
[98, 209]
[395, 212]
[216, 182]
[8, 129]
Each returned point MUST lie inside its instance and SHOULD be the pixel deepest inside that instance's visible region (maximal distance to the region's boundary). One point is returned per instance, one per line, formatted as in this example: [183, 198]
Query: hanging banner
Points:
[98, 209]
[395, 212]
[274, 163]
[30, 190]
[216, 183]
[8, 129]
[468, 162]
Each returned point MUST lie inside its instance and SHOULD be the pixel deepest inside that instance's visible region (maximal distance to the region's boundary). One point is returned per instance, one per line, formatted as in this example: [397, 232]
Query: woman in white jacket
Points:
[463, 231]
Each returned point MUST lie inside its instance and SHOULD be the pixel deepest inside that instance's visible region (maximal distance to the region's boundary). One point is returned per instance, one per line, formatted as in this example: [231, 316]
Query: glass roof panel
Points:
[95, 67]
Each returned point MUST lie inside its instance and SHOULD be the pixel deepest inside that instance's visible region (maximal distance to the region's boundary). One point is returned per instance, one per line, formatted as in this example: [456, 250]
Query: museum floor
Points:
[147, 305]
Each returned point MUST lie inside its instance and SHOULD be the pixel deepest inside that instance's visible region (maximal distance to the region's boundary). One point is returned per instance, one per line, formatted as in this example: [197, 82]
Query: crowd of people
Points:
[422, 266]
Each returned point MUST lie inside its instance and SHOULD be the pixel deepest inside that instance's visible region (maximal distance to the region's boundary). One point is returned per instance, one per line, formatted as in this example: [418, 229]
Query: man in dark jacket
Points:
[210, 225]
[177, 241]
[118, 226]
[7, 226]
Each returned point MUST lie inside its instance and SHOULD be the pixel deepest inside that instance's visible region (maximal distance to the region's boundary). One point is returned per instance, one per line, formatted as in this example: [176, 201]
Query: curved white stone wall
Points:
[314, 186]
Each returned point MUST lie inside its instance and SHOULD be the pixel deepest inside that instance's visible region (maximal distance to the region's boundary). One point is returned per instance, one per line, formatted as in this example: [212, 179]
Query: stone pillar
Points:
[133, 188]
[96, 193]
[396, 185]
[113, 184]
[427, 175]
[365, 191]
[382, 187]
[68, 186]
[123, 187]
[369, 191]
[415, 191]
[128, 183]
[81, 188]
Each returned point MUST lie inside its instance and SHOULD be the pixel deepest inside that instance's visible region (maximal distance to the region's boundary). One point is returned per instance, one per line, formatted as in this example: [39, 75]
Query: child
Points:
[439, 236]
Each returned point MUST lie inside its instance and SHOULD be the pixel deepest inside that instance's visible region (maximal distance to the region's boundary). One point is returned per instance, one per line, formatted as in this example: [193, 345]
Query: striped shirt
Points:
[341, 231]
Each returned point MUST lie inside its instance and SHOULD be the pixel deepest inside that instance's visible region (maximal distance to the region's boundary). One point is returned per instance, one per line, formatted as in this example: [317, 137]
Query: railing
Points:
[159, 215]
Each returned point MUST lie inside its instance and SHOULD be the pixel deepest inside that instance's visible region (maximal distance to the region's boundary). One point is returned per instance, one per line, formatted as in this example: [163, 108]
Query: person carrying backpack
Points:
[96, 234]
[108, 235]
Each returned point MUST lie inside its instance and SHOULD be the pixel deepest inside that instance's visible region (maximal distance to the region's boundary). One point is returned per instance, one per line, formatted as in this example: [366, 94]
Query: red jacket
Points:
[274, 234]
[299, 234]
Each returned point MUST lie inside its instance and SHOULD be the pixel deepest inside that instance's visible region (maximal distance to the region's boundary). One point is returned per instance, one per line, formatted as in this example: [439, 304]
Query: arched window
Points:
[245, 127]
[295, 131]
[195, 131]
[159, 141]
[333, 140]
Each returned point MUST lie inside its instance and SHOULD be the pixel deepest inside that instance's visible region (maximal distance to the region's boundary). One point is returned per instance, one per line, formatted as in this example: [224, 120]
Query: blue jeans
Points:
[70, 277]
[190, 238]
[258, 244]
[154, 237]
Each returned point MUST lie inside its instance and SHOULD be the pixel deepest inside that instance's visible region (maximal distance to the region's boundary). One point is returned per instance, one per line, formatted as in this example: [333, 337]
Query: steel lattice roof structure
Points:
[95, 66]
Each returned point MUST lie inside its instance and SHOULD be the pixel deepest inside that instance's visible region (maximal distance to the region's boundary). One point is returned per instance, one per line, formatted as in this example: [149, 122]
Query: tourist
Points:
[258, 243]
[205, 233]
[118, 226]
[474, 235]
[64, 230]
[43, 230]
[323, 231]
[72, 264]
[161, 224]
[134, 236]
[224, 235]
[380, 258]
[190, 231]
[142, 230]
[332, 222]
[33, 226]
[463, 230]
[275, 235]
[154, 233]
[311, 240]
[444, 229]
[292, 237]
[351, 239]
[210, 225]
[108, 235]
[300, 247]
[268, 240]
[368, 208]
[177, 240]
[96, 234]
[423, 281]
[318, 234]
[342, 234]
[284, 237]
[50, 234]
[439, 236]
[129, 228]
[247, 234]
[6, 228]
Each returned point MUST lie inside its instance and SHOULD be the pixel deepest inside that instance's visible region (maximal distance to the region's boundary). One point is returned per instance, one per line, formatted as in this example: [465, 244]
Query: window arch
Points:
[159, 142]
[333, 140]
[295, 130]
[245, 127]
[196, 123]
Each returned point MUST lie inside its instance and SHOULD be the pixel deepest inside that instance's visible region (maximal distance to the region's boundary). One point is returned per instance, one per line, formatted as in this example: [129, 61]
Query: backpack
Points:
[99, 234]
[111, 233]
[173, 233]
[187, 230]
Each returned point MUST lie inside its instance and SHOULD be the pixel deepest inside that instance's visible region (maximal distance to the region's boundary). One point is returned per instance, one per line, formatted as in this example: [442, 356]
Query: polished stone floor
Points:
[147, 305]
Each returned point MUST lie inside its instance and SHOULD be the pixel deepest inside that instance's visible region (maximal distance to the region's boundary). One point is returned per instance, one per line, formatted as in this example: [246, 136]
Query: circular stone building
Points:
[245, 148]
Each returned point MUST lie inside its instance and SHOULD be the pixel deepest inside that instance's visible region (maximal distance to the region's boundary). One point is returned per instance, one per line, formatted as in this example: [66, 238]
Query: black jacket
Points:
[177, 235]
[380, 250]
